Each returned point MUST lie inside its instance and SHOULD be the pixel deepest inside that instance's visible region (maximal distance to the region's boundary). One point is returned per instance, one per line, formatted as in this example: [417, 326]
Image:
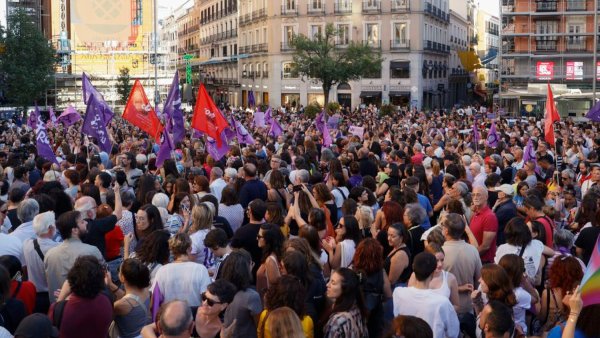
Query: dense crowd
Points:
[415, 227]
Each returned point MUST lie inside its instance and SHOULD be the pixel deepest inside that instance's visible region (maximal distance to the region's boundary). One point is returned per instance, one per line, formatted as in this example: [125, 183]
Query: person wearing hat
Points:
[505, 209]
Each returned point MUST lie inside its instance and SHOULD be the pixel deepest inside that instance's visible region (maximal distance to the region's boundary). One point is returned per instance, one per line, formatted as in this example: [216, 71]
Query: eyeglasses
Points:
[259, 236]
[209, 301]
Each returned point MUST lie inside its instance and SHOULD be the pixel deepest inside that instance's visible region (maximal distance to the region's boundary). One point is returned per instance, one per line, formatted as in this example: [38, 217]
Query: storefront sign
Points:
[574, 70]
[545, 70]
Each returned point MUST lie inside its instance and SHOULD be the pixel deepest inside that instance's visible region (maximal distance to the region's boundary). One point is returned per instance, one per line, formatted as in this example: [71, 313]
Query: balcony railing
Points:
[265, 74]
[245, 49]
[371, 6]
[436, 46]
[342, 7]
[436, 12]
[576, 46]
[286, 47]
[312, 10]
[400, 6]
[546, 6]
[259, 14]
[576, 5]
[289, 11]
[545, 46]
[400, 44]
[371, 43]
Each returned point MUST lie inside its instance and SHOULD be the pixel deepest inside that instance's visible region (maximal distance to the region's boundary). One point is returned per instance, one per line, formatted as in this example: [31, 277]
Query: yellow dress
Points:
[307, 326]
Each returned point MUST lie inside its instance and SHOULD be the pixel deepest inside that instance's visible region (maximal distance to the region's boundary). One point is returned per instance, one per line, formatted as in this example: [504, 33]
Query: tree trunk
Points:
[326, 90]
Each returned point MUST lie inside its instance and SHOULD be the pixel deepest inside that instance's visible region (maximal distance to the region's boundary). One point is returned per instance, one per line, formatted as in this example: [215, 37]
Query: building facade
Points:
[411, 36]
[548, 42]
[488, 44]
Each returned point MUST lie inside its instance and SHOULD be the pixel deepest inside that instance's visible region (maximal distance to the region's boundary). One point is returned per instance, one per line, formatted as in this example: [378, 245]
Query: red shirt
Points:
[84, 317]
[417, 159]
[549, 228]
[27, 293]
[113, 240]
[485, 221]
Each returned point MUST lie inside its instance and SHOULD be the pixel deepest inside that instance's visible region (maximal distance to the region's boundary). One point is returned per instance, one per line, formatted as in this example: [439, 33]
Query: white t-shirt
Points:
[337, 195]
[523, 304]
[348, 247]
[186, 280]
[531, 256]
[203, 254]
[436, 310]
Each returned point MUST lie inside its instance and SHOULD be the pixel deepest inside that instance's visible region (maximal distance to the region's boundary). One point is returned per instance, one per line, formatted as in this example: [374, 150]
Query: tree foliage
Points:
[123, 85]
[27, 61]
[323, 62]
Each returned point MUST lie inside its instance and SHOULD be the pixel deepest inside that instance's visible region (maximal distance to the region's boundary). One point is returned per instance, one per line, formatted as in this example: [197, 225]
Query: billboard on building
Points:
[545, 70]
[574, 70]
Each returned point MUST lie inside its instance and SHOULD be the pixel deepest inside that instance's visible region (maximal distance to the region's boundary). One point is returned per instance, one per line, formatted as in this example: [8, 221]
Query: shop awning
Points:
[469, 60]
[370, 94]
[399, 93]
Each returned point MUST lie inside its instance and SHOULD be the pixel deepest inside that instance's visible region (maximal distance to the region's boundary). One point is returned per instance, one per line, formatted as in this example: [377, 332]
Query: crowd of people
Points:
[413, 228]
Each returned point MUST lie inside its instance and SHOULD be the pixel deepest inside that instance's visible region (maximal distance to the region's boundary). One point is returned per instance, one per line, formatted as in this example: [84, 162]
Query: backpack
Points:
[372, 287]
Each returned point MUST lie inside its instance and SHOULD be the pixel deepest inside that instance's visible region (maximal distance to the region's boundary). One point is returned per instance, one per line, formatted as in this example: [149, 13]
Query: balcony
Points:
[545, 46]
[400, 6]
[260, 48]
[576, 45]
[342, 7]
[245, 19]
[546, 6]
[265, 74]
[259, 14]
[312, 9]
[245, 49]
[433, 46]
[289, 11]
[371, 6]
[400, 45]
[576, 5]
[286, 47]
[436, 12]
[372, 43]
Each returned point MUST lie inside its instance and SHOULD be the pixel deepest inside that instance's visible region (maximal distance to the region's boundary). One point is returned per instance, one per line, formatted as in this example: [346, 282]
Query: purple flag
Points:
[594, 113]
[69, 117]
[32, 119]
[493, 136]
[333, 121]
[251, 101]
[89, 91]
[259, 119]
[529, 153]
[42, 143]
[339, 135]
[52, 115]
[94, 124]
[268, 117]
[275, 129]
[172, 109]
[241, 133]
[197, 134]
[214, 150]
[164, 152]
[322, 127]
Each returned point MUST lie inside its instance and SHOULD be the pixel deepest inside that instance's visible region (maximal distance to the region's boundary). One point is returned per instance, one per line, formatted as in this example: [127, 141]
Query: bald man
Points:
[484, 225]
[175, 321]
[97, 228]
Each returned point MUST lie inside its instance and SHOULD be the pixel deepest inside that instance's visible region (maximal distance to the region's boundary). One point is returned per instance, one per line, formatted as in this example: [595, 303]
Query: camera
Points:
[297, 188]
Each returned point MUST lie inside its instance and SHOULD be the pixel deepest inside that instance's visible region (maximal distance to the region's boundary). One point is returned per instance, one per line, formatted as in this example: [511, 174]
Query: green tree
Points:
[322, 62]
[123, 85]
[27, 61]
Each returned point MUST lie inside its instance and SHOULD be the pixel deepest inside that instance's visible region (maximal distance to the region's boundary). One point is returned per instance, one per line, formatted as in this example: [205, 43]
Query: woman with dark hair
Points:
[88, 309]
[169, 183]
[397, 263]
[89, 189]
[286, 291]
[393, 180]
[346, 316]
[215, 300]
[519, 199]
[169, 168]
[132, 305]
[270, 240]
[447, 184]
[153, 252]
[514, 267]
[341, 248]
[565, 274]
[375, 285]
[145, 189]
[391, 212]
[230, 207]
[520, 242]
[274, 215]
[276, 190]
[147, 220]
[12, 310]
[180, 213]
[410, 327]
[312, 236]
[24, 291]
[200, 186]
[325, 201]
[246, 305]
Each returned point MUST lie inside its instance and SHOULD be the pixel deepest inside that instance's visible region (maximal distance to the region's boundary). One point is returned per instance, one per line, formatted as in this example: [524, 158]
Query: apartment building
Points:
[458, 77]
[412, 37]
[549, 41]
[487, 36]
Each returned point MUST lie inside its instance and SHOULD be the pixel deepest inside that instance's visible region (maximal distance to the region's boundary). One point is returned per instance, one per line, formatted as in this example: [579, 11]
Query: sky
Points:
[490, 6]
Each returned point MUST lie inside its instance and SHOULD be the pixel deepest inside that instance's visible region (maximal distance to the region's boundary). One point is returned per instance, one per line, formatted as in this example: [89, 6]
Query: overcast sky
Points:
[490, 6]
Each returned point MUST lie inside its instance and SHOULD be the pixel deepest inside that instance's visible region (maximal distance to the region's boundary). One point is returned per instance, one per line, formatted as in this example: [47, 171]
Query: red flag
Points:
[207, 117]
[140, 113]
[550, 116]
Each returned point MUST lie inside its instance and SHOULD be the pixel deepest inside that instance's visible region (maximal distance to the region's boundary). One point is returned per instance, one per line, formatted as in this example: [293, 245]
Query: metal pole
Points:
[155, 40]
[500, 60]
[595, 72]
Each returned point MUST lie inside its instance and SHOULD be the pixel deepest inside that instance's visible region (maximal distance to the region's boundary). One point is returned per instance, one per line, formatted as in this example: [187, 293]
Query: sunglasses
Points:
[208, 301]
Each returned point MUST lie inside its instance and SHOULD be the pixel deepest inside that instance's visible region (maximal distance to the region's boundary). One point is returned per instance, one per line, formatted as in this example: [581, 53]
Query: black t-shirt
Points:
[587, 241]
[14, 220]
[97, 228]
[245, 238]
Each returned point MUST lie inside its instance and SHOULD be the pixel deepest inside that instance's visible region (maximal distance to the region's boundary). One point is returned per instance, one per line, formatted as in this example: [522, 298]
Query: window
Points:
[287, 70]
[343, 34]
[371, 4]
[400, 34]
[316, 4]
[290, 5]
[372, 34]
[400, 69]
[288, 33]
[315, 31]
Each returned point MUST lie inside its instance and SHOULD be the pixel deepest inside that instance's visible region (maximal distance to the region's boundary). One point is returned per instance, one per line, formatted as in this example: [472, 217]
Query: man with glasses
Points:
[274, 164]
